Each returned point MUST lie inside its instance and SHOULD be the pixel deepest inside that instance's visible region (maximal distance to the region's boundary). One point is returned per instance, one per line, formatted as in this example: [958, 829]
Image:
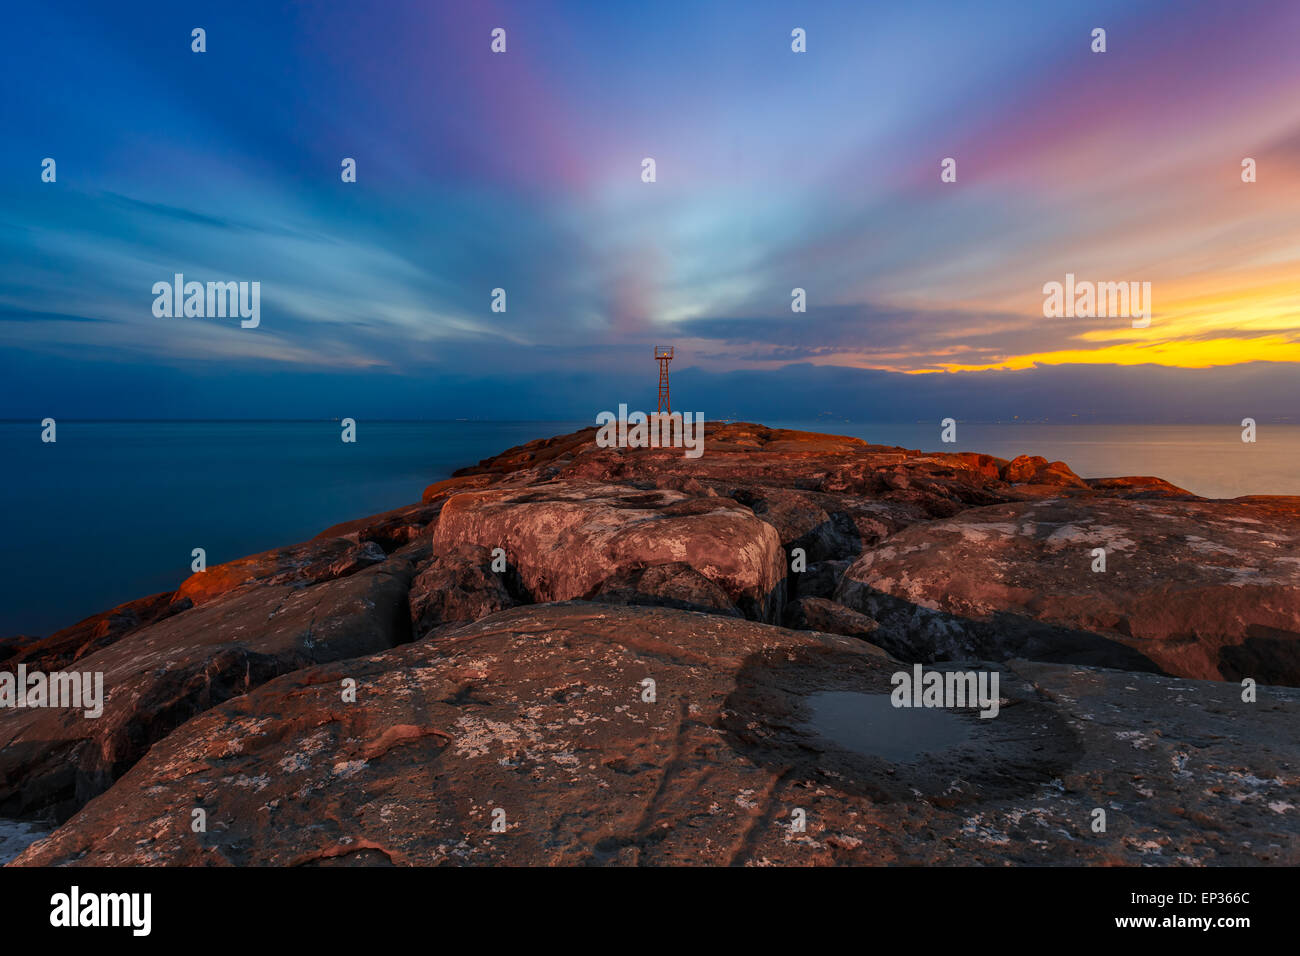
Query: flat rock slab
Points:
[160, 676]
[539, 719]
[1202, 589]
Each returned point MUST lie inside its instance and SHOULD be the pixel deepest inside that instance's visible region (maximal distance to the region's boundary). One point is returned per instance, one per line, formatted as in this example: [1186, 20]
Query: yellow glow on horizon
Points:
[1200, 353]
[1199, 321]
[1197, 325]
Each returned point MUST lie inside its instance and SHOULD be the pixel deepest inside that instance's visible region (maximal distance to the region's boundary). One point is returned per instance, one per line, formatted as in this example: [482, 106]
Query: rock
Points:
[536, 716]
[749, 456]
[819, 614]
[1198, 589]
[564, 539]
[666, 585]
[321, 559]
[390, 530]
[936, 486]
[364, 556]
[1036, 470]
[100, 630]
[457, 587]
[227, 694]
[158, 677]
[15, 644]
[441, 490]
[820, 580]
[825, 526]
[985, 466]
[535, 454]
[1138, 487]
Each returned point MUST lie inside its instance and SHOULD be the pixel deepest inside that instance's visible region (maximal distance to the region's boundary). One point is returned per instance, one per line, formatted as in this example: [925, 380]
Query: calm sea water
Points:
[112, 511]
[1209, 460]
[18, 835]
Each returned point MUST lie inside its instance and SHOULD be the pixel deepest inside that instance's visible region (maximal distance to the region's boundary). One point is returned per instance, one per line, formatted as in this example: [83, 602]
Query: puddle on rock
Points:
[823, 715]
[869, 724]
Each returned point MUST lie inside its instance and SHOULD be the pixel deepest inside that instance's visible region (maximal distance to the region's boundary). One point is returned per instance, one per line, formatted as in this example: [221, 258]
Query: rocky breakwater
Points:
[574, 654]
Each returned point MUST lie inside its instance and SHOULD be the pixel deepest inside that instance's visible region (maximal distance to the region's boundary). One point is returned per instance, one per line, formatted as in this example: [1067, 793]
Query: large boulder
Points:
[540, 721]
[1203, 589]
[565, 539]
[158, 677]
[1037, 470]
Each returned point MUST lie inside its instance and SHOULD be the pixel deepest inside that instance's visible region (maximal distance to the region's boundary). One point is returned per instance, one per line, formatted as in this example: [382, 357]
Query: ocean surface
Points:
[18, 835]
[112, 510]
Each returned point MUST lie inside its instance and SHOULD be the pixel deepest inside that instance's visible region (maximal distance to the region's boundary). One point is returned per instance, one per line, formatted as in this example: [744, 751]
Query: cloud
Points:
[132, 207]
[27, 315]
[887, 337]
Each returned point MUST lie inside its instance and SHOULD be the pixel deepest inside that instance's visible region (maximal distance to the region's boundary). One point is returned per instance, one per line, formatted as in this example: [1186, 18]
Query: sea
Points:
[112, 511]
[17, 835]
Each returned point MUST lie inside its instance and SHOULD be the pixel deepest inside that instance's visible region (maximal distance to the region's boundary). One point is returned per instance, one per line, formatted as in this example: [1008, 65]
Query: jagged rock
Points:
[321, 559]
[666, 585]
[1196, 588]
[825, 526]
[160, 676]
[830, 617]
[16, 643]
[1036, 470]
[390, 530]
[537, 717]
[820, 580]
[457, 586]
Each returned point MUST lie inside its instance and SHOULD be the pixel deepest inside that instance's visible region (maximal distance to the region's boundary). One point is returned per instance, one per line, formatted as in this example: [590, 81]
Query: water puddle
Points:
[869, 724]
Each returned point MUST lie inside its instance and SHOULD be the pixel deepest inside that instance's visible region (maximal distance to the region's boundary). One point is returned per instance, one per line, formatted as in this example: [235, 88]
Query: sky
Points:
[775, 170]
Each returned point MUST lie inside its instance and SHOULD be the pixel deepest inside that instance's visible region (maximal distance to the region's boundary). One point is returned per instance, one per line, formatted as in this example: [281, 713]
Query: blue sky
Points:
[775, 170]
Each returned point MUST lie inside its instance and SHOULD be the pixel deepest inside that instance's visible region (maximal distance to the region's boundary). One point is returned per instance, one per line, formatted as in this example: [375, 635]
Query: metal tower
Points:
[664, 355]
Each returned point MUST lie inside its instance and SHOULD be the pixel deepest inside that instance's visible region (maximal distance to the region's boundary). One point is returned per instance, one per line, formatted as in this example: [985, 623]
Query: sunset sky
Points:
[775, 170]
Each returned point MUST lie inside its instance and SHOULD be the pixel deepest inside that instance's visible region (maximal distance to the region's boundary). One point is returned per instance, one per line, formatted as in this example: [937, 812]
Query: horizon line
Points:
[568, 421]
